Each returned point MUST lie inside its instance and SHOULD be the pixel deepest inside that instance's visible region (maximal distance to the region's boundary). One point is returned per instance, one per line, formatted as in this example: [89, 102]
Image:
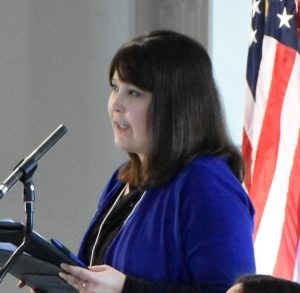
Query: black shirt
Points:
[111, 221]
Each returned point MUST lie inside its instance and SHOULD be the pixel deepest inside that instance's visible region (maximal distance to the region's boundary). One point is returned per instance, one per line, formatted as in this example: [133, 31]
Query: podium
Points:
[38, 266]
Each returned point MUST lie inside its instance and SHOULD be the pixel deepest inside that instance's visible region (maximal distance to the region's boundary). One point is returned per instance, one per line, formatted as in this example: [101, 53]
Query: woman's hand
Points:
[97, 279]
[22, 284]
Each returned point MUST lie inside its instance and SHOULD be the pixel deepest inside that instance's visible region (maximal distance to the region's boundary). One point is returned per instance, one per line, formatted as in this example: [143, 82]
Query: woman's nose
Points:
[117, 101]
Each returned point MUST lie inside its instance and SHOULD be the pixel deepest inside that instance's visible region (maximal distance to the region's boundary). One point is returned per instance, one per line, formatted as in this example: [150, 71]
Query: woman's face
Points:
[128, 110]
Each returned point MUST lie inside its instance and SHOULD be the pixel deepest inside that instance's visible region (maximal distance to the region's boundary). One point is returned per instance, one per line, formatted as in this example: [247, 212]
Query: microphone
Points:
[43, 148]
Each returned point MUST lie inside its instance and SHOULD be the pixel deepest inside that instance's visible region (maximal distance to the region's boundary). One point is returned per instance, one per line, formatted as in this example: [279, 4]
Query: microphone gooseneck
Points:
[43, 148]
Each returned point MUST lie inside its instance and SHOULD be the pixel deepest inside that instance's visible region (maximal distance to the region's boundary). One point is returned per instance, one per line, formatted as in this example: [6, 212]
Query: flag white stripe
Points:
[249, 112]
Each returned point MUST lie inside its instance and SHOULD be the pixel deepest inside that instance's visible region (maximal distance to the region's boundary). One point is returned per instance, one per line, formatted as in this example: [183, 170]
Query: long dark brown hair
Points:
[185, 117]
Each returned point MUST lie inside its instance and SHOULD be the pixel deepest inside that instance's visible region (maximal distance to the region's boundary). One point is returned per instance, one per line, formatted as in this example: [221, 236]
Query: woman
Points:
[174, 218]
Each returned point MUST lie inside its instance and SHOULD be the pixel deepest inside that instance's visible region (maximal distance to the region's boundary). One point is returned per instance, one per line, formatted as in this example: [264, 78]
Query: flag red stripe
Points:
[267, 150]
[287, 254]
[247, 153]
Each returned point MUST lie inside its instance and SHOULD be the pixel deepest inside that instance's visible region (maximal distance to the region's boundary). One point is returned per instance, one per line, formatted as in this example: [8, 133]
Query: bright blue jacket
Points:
[197, 228]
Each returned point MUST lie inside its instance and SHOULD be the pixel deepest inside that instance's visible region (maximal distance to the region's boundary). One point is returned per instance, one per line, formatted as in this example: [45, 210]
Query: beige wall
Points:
[189, 17]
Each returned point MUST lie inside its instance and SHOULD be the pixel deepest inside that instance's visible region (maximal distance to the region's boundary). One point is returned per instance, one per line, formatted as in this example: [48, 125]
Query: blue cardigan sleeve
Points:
[217, 226]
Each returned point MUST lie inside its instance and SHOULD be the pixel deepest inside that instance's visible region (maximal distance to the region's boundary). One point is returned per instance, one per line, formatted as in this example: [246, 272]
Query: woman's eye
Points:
[134, 93]
[114, 87]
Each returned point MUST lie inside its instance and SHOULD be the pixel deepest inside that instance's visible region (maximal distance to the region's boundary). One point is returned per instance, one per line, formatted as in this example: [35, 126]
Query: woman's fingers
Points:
[21, 284]
[76, 271]
[99, 268]
[101, 278]
[75, 282]
[75, 276]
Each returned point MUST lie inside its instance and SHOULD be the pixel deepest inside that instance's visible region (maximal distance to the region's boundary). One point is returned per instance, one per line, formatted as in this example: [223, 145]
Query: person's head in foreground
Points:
[264, 284]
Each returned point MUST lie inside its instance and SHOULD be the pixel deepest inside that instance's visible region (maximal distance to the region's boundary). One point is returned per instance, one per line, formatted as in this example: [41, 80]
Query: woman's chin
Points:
[122, 147]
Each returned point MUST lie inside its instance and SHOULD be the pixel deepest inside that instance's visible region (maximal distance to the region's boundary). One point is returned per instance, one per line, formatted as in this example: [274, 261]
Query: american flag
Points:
[271, 135]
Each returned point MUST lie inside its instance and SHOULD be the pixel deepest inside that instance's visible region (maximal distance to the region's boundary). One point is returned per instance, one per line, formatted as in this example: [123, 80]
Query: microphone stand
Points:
[28, 170]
